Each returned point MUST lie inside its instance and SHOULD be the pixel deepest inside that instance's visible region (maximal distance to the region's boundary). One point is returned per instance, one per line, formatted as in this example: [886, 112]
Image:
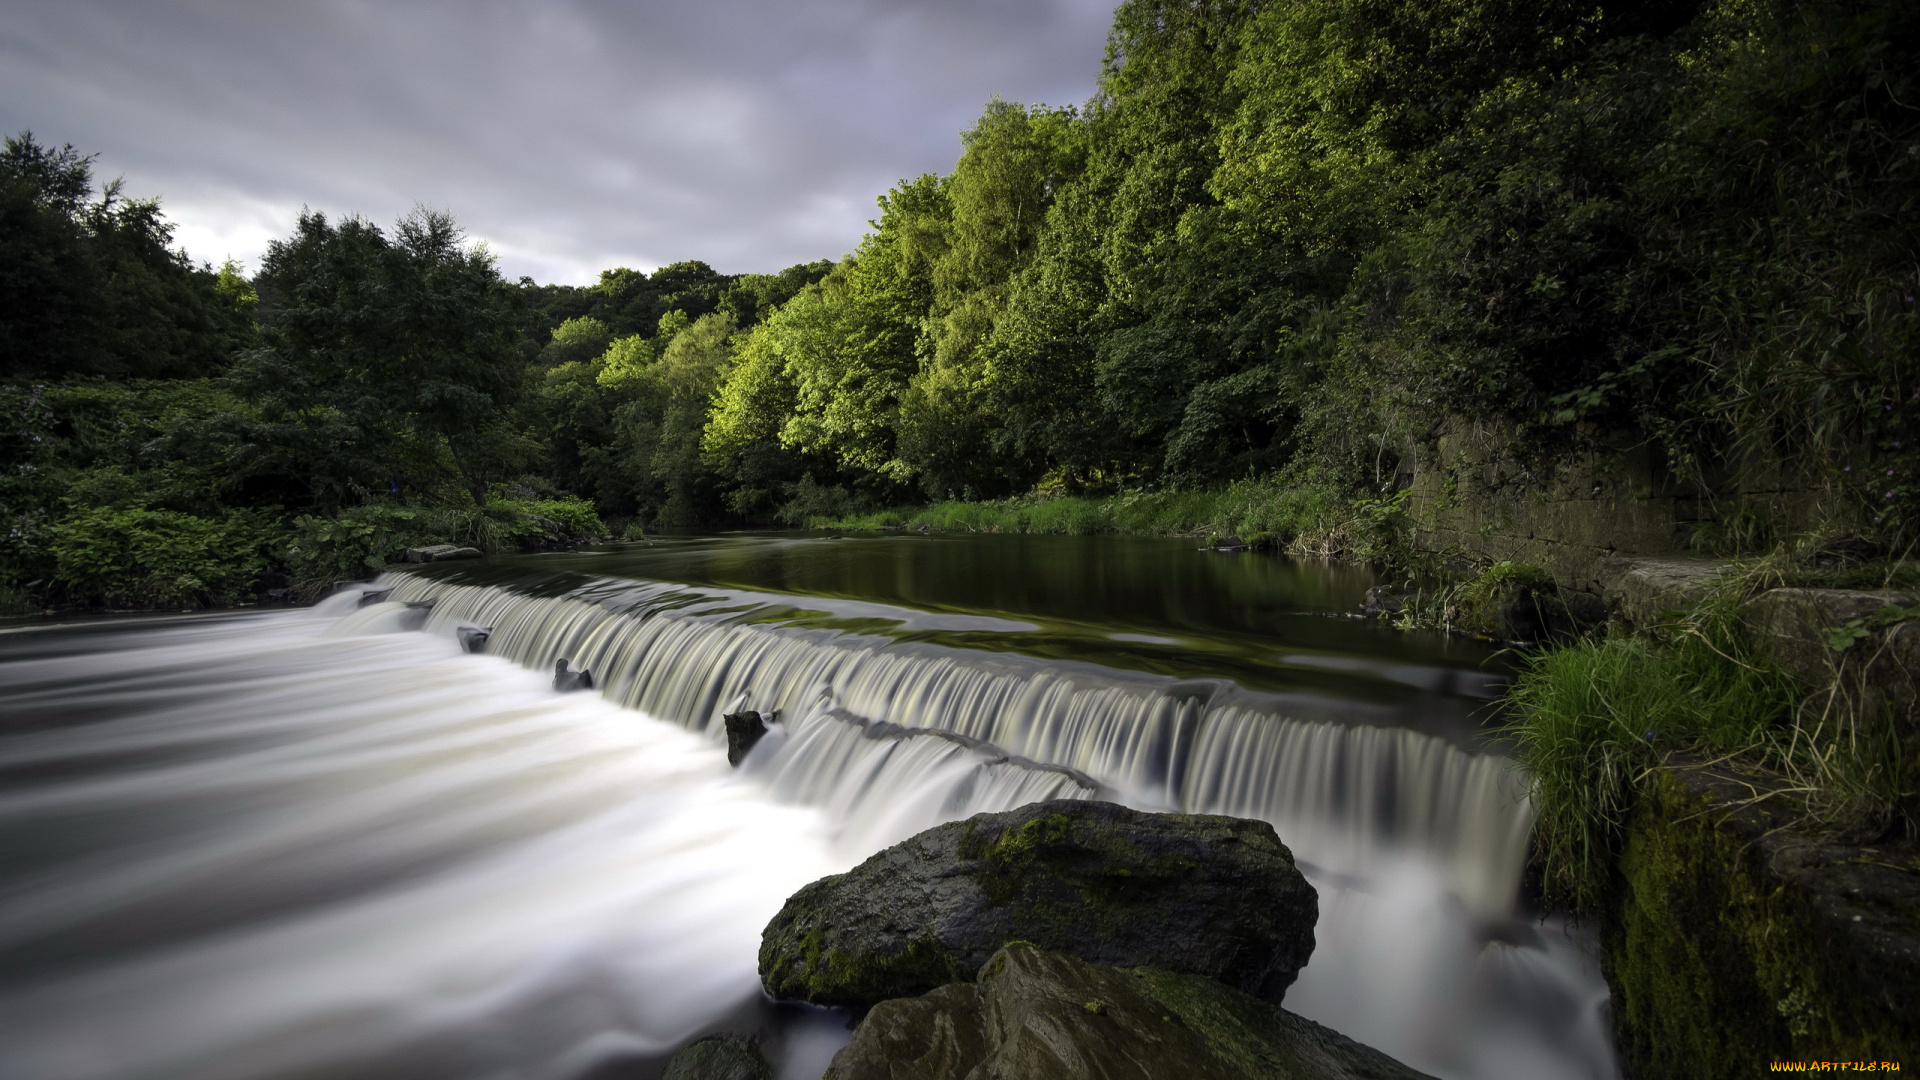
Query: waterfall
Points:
[331, 842]
[897, 736]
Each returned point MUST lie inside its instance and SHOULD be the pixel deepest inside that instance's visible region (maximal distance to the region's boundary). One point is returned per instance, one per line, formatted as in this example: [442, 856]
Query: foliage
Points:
[352, 545]
[576, 517]
[1280, 249]
[358, 542]
[1309, 236]
[87, 282]
[389, 363]
[160, 558]
[1305, 517]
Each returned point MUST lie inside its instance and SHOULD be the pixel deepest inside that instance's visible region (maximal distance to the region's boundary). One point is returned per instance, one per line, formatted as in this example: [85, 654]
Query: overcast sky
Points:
[570, 135]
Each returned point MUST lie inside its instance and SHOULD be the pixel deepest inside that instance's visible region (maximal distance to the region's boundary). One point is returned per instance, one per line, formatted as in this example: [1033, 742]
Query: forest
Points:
[1283, 243]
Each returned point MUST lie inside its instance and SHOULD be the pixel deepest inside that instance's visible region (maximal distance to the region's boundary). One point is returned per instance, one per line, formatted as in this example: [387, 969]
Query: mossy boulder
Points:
[1737, 938]
[1510, 602]
[1036, 1013]
[1217, 897]
[718, 1057]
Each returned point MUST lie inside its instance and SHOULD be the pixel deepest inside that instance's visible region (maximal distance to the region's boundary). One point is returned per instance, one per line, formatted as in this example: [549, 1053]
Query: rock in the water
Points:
[473, 639]
[566, 680]
[440, 553]
[1202, 894]
[1041, 1014]
[374, 596]
[1382, 603]
[744, 729]
[718, 1057]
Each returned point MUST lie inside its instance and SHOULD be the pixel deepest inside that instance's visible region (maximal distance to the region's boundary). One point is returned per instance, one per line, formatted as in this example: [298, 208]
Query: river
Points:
[330, 843]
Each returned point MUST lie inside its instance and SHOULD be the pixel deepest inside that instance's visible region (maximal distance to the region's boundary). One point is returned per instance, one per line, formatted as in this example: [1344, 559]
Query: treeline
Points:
[1287, 241]
[181, 435]
[1302, 237]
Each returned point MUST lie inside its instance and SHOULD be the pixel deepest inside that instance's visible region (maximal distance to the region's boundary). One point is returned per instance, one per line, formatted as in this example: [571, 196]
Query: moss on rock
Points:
[1735, 941]
[1214, 896]
[1036, 1013]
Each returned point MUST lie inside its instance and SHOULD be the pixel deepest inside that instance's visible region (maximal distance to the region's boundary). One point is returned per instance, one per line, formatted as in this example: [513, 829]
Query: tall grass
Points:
[1592, 717]
[1589, 719]
[1306, 517]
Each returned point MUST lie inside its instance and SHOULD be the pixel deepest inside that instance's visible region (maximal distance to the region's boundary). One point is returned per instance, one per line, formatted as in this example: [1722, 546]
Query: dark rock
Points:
[1230, 543]
[1382, 602]
[1737, 934]
[1646, 591]
[1042, 1014]
[440, 553]
[566, 680]
[1510, 602]
[1795, 628]
[374, 596]
[744, 729]
[1202, 894]
[718, 1057]
[1585, 608]
[473, 639]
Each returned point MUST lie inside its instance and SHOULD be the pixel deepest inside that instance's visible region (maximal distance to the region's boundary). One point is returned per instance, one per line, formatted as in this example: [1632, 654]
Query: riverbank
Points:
[1306, 519]
[1789, 675]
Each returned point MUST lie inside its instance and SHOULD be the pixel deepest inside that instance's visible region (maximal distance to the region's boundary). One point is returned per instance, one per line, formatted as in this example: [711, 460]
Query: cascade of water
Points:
[1343, 794]
[307, 844]
[310, 844]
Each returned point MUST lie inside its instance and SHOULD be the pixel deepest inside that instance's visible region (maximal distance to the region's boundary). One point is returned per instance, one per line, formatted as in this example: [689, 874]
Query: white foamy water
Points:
[318, 844]
[302, 851]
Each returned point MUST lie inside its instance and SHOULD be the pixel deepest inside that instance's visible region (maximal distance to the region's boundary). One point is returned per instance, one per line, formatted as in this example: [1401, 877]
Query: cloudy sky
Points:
[570, 135]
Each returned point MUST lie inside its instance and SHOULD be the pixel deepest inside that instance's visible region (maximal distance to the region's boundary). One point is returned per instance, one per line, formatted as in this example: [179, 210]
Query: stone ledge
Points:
[1792, 626]
[1735, 938]
[1643, 591]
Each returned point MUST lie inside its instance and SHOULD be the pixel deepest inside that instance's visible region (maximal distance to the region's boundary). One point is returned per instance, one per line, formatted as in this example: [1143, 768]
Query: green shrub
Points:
[1509, 601]
[576, 517]
[161, 558]
[16, 602]
[1307, 516]
[351, 545]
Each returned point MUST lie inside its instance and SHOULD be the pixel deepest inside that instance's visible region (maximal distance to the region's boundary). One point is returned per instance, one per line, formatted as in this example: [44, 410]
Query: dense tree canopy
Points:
[88, 285]
[1292, 239]
[387, 361]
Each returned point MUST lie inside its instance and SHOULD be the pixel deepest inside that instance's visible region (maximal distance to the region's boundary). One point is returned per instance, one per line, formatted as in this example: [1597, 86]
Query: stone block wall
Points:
[1475, 491]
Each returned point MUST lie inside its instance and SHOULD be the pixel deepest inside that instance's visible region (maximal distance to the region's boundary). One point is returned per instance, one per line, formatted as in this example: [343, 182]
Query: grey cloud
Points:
[571, 136]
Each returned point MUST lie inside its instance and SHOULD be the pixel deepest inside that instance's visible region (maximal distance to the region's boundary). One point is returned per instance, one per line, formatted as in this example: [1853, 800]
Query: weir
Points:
[335, 842]
[866, 715]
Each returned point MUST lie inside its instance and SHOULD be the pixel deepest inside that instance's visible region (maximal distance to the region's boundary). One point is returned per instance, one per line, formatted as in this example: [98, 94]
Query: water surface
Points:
[329, 843]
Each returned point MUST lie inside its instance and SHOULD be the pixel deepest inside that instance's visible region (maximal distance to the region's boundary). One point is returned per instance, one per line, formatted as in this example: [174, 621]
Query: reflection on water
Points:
[329, 843]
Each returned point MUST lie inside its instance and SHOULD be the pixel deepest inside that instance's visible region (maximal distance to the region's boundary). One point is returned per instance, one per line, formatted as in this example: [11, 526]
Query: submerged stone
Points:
[744, 730]
[566, 680]
[1207, 895]
[440, 553]
[1038, 1014]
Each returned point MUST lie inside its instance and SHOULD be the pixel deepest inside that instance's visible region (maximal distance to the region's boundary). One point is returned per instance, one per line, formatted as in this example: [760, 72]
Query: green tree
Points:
[88, 285]
[388, 362]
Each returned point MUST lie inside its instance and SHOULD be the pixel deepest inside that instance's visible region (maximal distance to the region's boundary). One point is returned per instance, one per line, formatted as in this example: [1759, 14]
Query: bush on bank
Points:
[161, 558]
[1590, 718]
[358, 542]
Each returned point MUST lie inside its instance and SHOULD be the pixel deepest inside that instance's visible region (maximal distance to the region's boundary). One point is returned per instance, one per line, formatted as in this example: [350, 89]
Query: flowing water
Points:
[331, 843]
